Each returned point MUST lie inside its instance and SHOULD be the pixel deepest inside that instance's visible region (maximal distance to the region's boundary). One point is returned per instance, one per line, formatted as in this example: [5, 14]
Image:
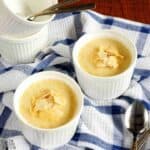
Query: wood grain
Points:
[137, 10]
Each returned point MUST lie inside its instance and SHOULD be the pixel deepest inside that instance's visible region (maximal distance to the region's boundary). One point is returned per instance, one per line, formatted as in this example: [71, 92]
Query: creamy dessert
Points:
[48, 103]
[104, 57]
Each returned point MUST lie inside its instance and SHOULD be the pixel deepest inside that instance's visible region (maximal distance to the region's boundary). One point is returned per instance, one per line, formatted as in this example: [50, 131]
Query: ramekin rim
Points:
[77, 115]
[75, 61]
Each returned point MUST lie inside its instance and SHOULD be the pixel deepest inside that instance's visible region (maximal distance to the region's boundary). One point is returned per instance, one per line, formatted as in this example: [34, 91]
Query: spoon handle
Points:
[75, 8]
[70, 9]
[63, 10]
[134, 145]
[60, 5]
[142, 139]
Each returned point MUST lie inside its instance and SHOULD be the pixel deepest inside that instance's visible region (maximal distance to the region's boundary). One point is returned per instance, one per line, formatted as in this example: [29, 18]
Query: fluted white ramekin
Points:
[15, 26]
[101, 88]
[49, 138]
[23, 50]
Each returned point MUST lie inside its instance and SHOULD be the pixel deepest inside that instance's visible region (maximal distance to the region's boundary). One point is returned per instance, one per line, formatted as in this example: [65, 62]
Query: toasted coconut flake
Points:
[107, 57]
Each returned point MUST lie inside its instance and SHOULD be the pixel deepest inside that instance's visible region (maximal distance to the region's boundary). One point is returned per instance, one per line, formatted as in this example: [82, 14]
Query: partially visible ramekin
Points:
[23, 50]
[103, 88]
[13, 25]
[49, 138]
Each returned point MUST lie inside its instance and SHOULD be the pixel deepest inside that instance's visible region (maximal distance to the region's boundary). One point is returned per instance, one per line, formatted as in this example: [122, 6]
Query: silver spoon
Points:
[61, 10]
[136, 120]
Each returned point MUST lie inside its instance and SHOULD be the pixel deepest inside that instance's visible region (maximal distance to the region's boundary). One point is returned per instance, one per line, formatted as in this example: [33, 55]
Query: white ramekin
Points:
[101, 88]
[14, 25]
[49, 138]
[23, 50]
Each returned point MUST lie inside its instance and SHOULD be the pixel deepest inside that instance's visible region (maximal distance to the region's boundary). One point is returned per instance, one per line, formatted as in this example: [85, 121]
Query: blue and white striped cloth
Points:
[101, 126]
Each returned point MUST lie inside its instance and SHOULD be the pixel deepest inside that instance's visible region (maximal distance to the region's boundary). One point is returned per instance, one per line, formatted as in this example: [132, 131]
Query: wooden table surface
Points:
[137, 10]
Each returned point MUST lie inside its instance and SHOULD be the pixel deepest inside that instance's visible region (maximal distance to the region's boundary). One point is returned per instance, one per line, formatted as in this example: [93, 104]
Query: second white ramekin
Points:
[49, 138]
[13, 25]
[101, 88]
[23, 50]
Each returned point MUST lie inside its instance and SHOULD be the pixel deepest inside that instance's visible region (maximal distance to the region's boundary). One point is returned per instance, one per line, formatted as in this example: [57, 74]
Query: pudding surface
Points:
[104, 57]
[48, 103]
